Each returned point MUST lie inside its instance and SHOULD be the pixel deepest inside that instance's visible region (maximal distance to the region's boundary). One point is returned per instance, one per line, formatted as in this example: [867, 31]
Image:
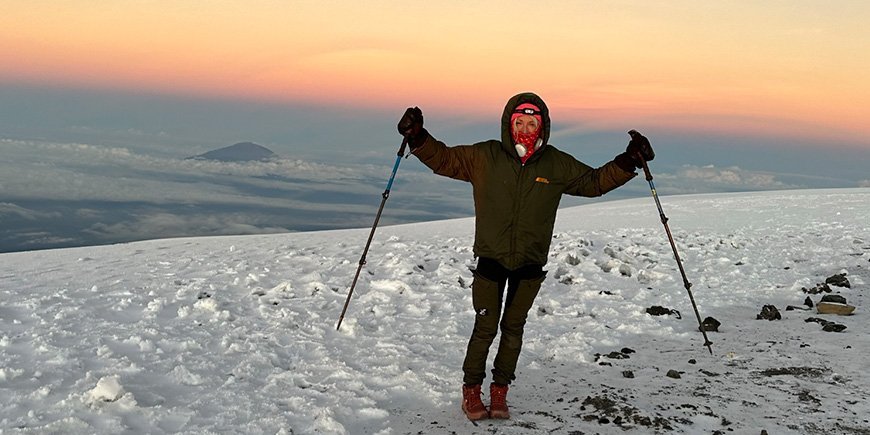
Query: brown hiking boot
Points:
[498, 401]
[472, 406]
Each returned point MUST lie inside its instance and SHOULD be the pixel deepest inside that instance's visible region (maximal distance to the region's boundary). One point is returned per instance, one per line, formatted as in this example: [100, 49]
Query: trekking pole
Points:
[362, 260]
[664, 218]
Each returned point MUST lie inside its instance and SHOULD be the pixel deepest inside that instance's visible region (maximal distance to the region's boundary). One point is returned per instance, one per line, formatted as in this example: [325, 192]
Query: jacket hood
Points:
[507, 141]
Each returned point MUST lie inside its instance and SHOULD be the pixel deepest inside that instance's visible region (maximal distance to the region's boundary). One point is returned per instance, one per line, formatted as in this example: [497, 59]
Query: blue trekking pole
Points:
[362, 260]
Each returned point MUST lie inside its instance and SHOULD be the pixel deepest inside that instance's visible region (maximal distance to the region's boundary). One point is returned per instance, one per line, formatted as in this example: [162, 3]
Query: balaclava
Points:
[526, 143]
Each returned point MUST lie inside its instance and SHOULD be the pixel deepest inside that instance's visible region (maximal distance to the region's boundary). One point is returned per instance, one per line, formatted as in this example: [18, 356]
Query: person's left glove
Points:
[411, 126]
[638, 151]
[640, 148]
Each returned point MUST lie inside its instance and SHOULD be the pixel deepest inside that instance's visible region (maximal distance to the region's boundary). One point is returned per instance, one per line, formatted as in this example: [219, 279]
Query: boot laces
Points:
[498, 395]
[472, 396]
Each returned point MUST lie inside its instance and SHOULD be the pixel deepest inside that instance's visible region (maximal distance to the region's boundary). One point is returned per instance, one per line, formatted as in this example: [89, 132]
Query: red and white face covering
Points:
[526, 143]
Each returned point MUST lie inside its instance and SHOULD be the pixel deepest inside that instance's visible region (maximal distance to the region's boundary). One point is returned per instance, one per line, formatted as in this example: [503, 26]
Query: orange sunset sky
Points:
[765, 67]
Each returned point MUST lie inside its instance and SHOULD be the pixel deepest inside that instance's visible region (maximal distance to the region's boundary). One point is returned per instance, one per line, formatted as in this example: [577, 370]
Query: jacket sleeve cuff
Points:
[418, 140]
[625, 162]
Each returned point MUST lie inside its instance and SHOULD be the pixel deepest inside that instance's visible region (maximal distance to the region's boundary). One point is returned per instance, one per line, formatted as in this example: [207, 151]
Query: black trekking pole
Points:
[362, 260]
[664, 218]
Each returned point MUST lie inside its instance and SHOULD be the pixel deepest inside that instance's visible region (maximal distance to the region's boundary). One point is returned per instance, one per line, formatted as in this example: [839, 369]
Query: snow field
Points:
[237, 334]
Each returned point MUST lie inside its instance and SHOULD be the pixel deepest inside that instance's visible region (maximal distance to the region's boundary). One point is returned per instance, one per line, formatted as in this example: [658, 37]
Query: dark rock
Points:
[623, 354]
[693, 361]
[673, 374]
[822, 322]
[808, 302]
[628, 374]
[804, 372]
[769, 312]
[827, 326]
[838, 280]
[711, 324]
[819, 288]
[792, 308]
[657, 310]
[833, 327]
[837, 299]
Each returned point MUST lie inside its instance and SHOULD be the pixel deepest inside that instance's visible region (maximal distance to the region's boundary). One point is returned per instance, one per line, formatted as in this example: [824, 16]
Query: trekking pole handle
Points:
[646, 171]
[402, 147]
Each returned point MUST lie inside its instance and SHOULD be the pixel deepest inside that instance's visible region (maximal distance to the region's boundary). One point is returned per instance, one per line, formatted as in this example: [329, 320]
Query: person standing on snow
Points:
[517, 183]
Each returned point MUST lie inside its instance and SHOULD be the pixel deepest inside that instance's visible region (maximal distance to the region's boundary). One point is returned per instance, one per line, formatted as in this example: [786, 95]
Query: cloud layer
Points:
[64, 194]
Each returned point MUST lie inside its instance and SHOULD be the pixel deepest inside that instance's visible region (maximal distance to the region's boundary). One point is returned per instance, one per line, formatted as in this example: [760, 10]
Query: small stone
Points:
[711, 324]
[616, 355]
[820, 288]
[822, 322]
[833, 327]
[838, 280]
[657, 310]
[837, 299]
[693, 361]
[628, 374]
[673, 374]
[808, 302]
[769, 312]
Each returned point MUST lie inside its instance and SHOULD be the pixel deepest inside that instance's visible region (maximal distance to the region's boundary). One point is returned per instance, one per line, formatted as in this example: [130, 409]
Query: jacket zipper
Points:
[516, 213]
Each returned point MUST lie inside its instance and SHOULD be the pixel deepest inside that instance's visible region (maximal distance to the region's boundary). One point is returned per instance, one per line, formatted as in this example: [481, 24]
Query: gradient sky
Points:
[101, 101]
[792, 68]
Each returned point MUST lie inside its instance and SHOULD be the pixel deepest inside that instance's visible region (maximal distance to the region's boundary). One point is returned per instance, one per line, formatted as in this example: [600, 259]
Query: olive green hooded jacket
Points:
[515, 204]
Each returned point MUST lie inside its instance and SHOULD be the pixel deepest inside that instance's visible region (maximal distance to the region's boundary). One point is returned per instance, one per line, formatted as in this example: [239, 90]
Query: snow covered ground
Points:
[237, 334]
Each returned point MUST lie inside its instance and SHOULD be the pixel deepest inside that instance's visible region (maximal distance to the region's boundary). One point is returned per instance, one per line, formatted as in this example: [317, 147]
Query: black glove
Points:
[411, 126]
[639, 148]
[638, 151]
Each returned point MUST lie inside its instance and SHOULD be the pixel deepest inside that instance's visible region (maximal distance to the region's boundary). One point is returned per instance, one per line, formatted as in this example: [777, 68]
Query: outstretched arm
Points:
[596, 182]
[455, 162]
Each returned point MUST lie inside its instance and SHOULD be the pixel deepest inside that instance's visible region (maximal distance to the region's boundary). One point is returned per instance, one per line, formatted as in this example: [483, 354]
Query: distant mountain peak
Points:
[240, 152]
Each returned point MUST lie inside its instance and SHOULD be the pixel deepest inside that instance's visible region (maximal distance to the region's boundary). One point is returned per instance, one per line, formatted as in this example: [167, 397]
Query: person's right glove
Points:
[411, 126]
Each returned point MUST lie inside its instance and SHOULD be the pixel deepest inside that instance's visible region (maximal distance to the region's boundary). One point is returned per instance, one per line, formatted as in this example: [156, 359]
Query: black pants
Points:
[488, 296]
